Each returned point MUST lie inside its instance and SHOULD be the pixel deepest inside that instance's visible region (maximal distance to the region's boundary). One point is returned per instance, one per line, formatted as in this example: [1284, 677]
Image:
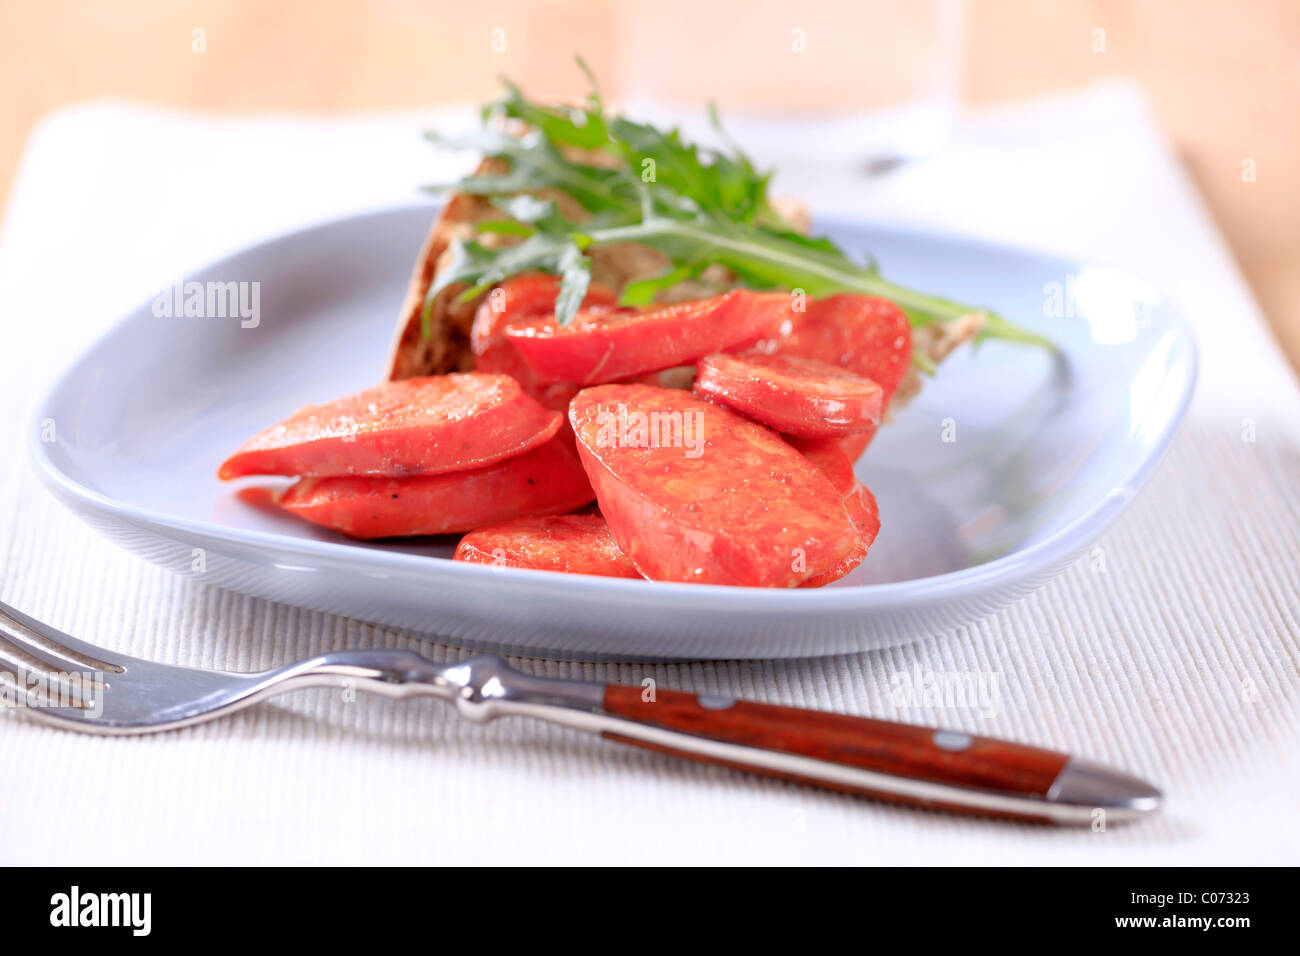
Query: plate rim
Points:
[1044, 555]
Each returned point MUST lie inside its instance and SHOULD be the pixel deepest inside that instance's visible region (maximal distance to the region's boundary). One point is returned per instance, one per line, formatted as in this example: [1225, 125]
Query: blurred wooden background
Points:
[1224, 76]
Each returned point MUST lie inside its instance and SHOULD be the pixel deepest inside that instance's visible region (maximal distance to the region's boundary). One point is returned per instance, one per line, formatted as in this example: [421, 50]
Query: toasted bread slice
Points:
[446, 349]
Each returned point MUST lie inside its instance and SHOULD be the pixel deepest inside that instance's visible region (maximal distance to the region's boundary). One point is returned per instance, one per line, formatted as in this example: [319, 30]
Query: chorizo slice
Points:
[604, 345]
[834, 463]
[693, 492]
[860, 504]
[576, 544]
[855, 445]
[804, 397]
[547, 480]
[867, 336]
[830, 458]
[416, 426]
[521, 300]
[851, 446]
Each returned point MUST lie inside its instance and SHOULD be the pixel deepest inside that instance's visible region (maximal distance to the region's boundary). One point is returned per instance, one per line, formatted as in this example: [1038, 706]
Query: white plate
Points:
[1045, 455]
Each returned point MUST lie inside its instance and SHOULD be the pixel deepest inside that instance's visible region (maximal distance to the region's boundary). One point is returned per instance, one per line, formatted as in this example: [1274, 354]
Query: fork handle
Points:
[892, 761]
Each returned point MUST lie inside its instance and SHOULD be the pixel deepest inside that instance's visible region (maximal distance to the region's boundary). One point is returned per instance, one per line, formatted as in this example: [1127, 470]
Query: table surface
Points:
[1172, 650]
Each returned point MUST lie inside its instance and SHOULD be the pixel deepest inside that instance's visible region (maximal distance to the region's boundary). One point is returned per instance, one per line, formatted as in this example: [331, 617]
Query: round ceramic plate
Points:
[1005, 468]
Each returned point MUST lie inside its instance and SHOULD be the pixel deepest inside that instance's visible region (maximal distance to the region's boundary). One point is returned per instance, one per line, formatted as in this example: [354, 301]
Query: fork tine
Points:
[16, 654]
[33, 682]
[46, 672]
[45, 648]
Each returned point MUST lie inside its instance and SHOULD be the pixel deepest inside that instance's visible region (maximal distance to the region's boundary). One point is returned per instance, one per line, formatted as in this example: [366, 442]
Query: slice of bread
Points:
[446, 349]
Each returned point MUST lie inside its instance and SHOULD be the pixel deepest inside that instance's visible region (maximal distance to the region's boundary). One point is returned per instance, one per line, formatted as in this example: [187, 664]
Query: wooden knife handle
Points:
[878, 758]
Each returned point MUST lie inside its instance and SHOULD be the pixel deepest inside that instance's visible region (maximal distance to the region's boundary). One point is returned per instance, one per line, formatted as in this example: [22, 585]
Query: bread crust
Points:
[446, 349]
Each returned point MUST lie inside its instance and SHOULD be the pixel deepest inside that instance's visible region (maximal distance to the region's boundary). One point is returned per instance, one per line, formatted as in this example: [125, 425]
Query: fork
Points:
[68, 683]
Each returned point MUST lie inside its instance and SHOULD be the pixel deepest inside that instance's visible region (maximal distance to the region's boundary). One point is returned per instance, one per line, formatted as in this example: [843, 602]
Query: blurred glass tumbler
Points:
[836, 82]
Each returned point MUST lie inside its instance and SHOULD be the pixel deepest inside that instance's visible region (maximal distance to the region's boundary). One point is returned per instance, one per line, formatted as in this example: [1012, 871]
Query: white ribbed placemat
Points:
[1177, 661]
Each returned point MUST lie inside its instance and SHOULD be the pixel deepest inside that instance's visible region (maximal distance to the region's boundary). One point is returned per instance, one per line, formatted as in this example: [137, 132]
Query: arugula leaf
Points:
[528, 209]
[481, 267]
[505, 227]
[536, 164]
[643, 291]
[575, 272]
[641, 184]
[767, 260]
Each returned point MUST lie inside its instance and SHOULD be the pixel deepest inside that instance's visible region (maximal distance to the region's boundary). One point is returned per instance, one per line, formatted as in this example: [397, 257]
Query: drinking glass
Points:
[827, 81]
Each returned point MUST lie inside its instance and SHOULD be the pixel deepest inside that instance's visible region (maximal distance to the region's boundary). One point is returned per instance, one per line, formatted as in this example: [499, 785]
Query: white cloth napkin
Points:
[1178, 661]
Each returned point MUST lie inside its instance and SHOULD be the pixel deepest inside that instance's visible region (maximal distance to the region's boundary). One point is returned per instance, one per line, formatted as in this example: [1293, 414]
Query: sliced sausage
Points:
[804, 397]
[694, 492]
[603, 345]
[521, 300]
[861, 507]
[577, 544]
[547, 480]
[416, 426]
[867, 336]
[830, 460]
[855, 445]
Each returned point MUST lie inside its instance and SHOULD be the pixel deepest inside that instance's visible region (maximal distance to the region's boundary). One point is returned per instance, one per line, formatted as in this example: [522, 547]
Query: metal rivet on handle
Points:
[713, 702]
[951, 740]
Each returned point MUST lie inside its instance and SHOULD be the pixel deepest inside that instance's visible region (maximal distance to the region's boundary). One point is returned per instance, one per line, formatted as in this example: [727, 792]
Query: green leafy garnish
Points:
[637, 183]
